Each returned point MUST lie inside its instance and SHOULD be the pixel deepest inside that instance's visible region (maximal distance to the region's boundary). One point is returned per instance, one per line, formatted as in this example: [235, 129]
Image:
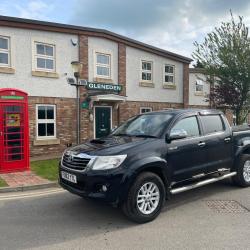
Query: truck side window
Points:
[212, 124]
[189, 124]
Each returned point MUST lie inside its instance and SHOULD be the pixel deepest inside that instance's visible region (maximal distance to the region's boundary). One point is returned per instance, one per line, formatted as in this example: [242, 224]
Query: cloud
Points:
[34, 9]
[170, 24]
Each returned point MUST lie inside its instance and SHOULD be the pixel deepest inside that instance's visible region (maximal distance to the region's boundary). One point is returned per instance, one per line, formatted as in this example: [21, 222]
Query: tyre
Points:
[243, 171]
[145, 198]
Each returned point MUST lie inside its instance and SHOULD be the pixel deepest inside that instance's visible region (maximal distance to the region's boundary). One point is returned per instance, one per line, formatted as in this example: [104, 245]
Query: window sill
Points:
[169, 86]
[43, 142]
[197, 93]
[104, 80]
[7, 70]
[45, 74]
[146, 84]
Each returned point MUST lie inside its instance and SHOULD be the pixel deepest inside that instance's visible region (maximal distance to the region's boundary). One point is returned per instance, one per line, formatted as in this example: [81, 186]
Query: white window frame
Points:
[196, 84]
[148, 108]
[169, 74]
[147, 71]
[103, 65]
[6, 51]
[38, 121]
[36, 55]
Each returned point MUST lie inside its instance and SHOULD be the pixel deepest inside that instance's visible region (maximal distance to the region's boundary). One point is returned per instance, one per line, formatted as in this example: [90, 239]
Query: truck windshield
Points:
[148, 125]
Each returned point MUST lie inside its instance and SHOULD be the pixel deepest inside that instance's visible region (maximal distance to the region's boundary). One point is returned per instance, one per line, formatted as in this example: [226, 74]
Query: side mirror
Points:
[176, 134]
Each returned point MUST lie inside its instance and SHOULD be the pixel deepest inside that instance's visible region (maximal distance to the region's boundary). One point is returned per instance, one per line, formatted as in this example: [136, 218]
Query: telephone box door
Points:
[14, 153]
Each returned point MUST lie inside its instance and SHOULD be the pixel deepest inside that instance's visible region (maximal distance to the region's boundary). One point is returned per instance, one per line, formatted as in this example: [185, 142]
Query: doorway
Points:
[102, 121]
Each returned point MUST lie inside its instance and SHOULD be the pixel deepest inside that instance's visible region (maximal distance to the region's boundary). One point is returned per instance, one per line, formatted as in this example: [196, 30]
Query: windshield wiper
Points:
[146, 136]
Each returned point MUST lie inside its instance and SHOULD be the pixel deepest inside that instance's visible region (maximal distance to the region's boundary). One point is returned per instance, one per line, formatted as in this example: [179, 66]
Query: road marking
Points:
[31, 194]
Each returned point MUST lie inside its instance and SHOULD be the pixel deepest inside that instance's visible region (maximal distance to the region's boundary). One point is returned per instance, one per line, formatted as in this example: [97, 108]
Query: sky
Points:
[173, 25]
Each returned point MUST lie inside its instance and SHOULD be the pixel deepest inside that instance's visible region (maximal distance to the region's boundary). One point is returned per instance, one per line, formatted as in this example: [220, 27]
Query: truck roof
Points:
[187, 111]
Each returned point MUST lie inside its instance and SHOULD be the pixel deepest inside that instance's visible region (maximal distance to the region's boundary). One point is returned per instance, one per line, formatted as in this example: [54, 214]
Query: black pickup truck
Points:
[155, 155]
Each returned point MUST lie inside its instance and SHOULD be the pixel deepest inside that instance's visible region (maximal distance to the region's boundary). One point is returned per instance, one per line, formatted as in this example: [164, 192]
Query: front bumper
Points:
[89, 184]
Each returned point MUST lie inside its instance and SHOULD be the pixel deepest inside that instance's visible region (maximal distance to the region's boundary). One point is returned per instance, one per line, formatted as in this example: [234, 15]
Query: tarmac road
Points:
[60, 220]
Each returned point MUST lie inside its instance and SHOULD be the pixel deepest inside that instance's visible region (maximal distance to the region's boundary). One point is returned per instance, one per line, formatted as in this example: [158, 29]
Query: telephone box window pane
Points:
[50, 129]
[16, 157]
[41, 112]
[12, 109]
[42, 129]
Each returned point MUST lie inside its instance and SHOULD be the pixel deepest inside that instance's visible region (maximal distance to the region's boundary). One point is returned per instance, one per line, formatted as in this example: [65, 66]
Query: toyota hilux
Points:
[155, 155]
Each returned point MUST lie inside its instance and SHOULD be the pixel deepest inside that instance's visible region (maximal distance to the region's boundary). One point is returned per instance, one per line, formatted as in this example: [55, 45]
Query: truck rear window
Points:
[212, 124]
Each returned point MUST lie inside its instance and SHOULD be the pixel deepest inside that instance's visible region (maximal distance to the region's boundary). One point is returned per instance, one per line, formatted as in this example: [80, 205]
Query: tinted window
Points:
[212, 124]
[189, 124]
[150, 124]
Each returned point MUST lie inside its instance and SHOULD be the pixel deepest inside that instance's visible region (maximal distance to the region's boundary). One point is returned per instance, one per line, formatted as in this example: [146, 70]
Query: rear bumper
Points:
[89, 184]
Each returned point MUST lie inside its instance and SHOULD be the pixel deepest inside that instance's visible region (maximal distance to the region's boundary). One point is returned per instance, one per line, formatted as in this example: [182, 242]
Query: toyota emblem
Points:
[71, 157]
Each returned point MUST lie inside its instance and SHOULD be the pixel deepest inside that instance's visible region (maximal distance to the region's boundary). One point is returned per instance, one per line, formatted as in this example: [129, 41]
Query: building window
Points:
[169, 73]
[103, 65]
[146, 71]
[46, 121]
[4, 51]
[145, 110]
[45, 57]
[199, 86]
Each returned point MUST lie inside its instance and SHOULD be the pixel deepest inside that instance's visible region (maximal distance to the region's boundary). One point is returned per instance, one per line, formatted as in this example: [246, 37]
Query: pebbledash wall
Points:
[73, 43]
[50, 88]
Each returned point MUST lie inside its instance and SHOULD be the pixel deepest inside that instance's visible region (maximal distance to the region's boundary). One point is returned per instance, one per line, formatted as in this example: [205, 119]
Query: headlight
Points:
[108, 162]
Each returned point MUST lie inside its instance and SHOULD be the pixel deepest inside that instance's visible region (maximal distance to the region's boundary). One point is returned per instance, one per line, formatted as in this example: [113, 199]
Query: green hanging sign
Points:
[85, 105]
[104, 86]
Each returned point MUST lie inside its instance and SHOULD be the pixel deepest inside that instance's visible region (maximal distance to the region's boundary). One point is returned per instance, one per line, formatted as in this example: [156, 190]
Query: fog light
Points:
[104, 188]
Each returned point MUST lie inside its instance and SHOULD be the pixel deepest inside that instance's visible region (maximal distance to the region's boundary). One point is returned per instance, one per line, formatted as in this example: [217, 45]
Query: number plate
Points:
[69, 177]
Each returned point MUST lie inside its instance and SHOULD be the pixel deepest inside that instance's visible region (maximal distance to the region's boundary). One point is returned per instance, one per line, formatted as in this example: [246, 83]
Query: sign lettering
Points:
[104, 86]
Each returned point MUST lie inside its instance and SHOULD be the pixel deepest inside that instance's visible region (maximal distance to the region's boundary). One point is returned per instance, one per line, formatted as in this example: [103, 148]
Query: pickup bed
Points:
[155, 155]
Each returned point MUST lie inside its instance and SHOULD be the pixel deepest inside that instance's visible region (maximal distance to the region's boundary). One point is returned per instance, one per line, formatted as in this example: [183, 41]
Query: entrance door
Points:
[12, 137]
[102, 121]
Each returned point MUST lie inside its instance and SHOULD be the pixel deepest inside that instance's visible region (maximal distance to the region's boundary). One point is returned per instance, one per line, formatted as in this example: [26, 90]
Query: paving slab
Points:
[20, 179]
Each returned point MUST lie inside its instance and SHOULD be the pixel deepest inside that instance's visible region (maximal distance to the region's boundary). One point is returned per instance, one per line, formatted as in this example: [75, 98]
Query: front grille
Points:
[74, 162]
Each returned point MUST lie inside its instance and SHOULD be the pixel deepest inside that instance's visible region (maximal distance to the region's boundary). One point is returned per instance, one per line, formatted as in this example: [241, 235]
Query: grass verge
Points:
[47, 169]
[3, 183]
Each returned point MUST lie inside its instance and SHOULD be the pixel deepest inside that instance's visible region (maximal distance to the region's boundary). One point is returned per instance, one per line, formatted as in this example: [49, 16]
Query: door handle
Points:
[202, 144]
[228, 139]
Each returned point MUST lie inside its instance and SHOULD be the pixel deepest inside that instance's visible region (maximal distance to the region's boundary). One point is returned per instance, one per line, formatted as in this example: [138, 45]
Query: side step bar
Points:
[201, 183]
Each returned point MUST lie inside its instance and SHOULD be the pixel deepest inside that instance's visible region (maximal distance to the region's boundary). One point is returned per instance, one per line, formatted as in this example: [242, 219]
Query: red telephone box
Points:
[14, 131]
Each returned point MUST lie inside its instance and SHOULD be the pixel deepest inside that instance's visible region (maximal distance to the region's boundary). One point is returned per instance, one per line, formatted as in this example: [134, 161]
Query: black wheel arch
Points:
[158, 167]
[243, 150]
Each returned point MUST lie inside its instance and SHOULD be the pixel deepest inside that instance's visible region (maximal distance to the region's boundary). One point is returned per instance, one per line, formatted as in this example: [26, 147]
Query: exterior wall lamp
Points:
[76, 67]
